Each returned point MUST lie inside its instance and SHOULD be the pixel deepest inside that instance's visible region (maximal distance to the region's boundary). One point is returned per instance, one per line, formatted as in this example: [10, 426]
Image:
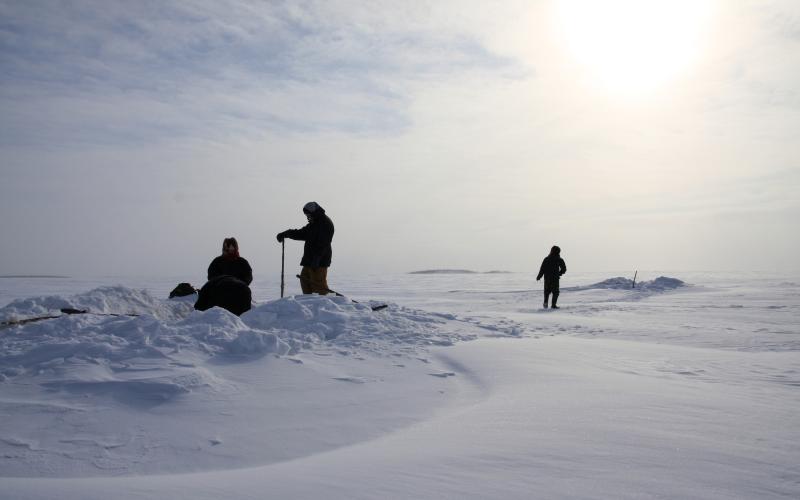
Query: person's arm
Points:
[213, 269]
[541, 271]
[562, 267]
[248, 272]
[295, 234]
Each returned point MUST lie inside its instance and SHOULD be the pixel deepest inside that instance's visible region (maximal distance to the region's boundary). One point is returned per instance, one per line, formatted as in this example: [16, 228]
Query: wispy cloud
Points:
[110, 72]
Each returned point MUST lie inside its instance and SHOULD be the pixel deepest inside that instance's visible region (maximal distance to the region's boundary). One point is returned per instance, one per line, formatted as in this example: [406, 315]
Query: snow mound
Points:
[313, 319]
[134, 359]
[103, 300]
[660, 284]
[163, 352]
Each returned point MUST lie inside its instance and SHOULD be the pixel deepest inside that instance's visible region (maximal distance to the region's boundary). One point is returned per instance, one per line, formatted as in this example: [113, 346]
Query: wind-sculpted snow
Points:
[353, 325]
[77, 373]
[660, 284]
[304, 390]
[157, 354]
[103, 300]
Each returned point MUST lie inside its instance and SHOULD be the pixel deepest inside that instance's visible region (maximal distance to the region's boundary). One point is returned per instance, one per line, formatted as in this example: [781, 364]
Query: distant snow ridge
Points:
[662, 283]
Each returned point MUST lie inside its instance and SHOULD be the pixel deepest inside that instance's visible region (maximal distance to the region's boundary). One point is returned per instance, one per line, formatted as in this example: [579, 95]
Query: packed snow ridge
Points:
[133, 343]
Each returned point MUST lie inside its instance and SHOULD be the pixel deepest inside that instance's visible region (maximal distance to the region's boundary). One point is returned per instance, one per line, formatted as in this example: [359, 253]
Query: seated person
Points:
[228, 278]
[226, 292]
[230, 264]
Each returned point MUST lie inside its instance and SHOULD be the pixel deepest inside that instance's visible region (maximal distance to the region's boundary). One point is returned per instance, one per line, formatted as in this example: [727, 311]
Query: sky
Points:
[635, 134]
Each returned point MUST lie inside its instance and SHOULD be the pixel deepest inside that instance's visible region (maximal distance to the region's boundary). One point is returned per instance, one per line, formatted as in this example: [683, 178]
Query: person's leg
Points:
[556, 292]
[319, 280]
[546, 293]
[305, 280]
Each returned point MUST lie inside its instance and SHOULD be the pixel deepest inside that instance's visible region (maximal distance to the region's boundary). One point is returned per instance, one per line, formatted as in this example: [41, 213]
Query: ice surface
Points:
[463, 387]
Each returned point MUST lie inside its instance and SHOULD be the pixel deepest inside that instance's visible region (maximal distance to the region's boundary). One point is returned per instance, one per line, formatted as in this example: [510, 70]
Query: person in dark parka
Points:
[227, 292]
[230, 263]
[317, 251]
[552, 268]
[228, 278]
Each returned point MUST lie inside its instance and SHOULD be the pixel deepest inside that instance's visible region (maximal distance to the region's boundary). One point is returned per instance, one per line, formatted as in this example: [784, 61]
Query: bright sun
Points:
[634, 46]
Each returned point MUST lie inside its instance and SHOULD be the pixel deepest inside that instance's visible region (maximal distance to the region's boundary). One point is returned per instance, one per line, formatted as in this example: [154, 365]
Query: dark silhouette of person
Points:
[317, 251]
[552, 268]
[226, 292]
[228, 278]
[230, 263]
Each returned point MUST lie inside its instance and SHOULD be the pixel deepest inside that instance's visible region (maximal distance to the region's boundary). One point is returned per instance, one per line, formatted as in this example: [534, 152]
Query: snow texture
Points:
[462, 388]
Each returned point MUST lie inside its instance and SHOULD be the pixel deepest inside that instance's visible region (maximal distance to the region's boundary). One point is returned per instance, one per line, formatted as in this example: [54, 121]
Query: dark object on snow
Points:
[65, 310]
[283, 260]
[182, 290]
[226, 292]
[70, 310]
[552, 268]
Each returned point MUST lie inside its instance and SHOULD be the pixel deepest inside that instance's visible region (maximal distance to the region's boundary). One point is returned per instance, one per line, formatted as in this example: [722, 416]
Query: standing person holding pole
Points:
[552, 268]
[317, 251]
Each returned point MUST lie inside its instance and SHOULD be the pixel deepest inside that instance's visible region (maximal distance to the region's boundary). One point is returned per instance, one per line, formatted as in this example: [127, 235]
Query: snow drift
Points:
[309, 397]
[660, 284]
[96, 351]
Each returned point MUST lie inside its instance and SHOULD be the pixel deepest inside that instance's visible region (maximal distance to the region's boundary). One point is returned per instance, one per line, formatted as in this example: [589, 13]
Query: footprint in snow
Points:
[442, 374]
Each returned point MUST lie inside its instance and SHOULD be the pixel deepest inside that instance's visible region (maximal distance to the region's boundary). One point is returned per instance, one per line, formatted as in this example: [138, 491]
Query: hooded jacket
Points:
[317, 234]
[238, 267]
[226, 292]
[552, 268]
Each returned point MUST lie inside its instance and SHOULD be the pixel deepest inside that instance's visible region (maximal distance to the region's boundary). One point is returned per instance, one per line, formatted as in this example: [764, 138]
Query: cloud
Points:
[133, 73]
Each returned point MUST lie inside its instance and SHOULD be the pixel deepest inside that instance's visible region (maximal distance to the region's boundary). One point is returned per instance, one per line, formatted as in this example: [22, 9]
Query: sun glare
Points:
[634, 46]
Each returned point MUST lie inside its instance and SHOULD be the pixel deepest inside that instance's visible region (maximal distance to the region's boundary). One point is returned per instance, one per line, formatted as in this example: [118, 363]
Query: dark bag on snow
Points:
[182, 290]
[226, 292]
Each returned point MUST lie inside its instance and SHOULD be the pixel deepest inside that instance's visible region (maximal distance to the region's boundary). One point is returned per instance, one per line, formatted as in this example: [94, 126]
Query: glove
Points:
[280, 237]
[538, 278]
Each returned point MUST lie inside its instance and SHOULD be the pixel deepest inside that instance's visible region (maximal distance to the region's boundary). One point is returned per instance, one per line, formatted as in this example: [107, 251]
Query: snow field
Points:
[491, 397]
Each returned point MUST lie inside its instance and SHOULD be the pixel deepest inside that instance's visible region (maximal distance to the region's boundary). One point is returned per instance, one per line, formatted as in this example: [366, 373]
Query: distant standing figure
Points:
[553, 267]
[317, 252]
[230, 263]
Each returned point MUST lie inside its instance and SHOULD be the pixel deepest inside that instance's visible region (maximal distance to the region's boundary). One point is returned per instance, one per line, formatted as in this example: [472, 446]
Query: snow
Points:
[462, 388]
[659, 284]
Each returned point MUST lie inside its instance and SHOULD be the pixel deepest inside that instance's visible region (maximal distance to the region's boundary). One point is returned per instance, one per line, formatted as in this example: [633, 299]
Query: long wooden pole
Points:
[283, 258]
